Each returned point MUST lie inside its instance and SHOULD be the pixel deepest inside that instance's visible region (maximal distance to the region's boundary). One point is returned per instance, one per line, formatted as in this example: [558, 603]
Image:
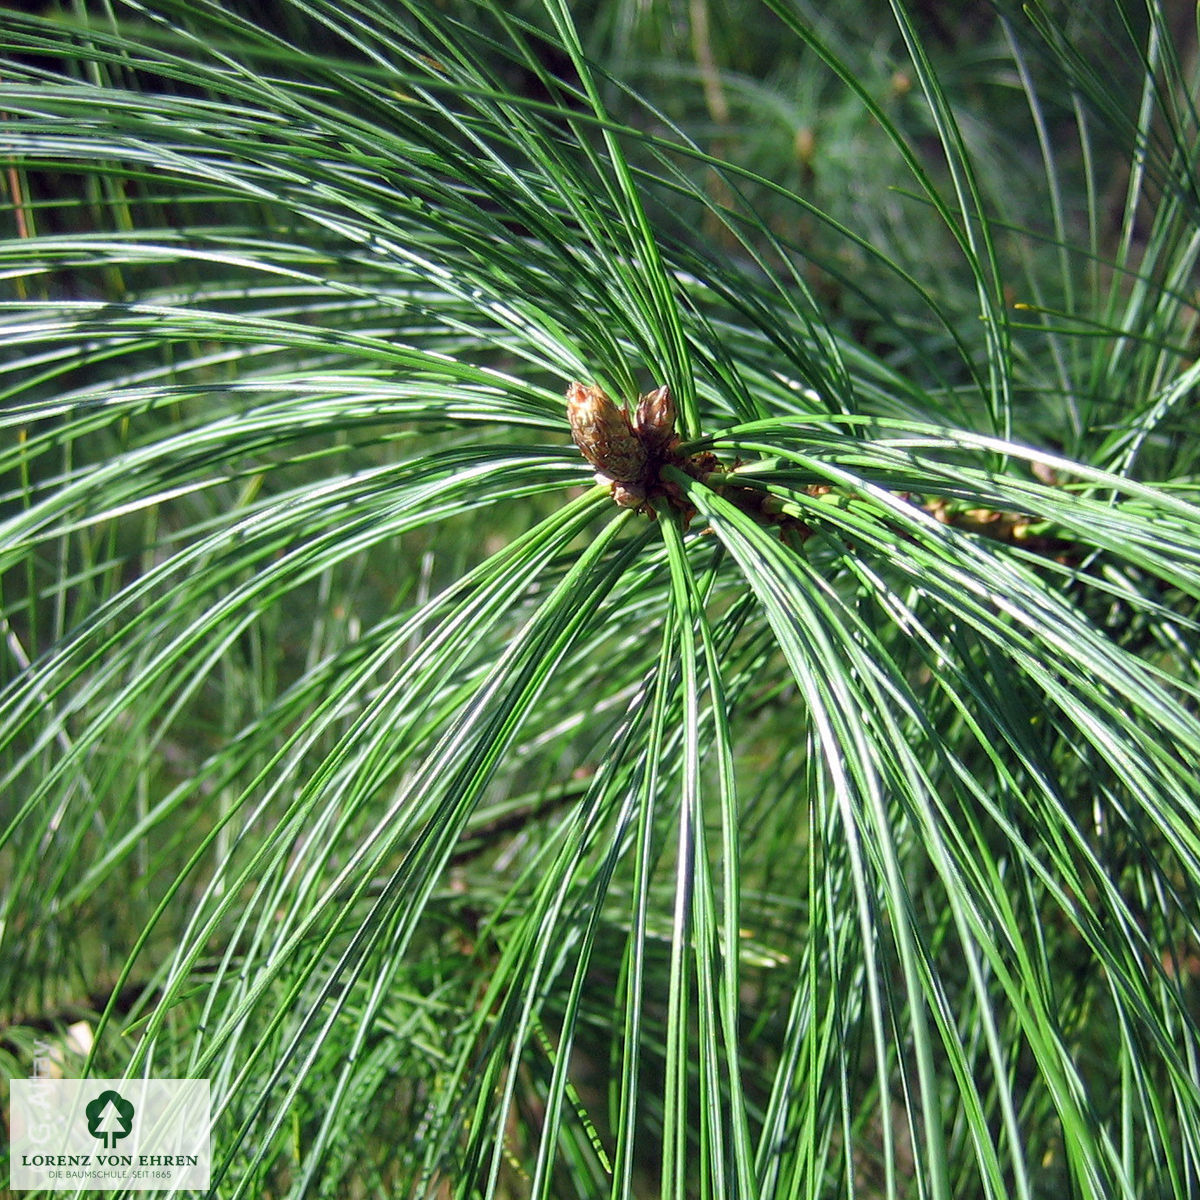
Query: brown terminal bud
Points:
[654, 421]
[602, 433]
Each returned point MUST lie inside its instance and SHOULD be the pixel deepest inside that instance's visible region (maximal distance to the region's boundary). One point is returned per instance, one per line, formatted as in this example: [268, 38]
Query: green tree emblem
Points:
[109, 1117]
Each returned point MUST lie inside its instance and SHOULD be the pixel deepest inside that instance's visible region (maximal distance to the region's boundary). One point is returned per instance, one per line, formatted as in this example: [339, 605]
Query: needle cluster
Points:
[628, 453]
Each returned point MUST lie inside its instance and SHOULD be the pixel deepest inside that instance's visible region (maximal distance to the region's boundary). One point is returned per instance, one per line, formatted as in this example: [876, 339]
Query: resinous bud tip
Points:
[654, 421]
[602, 432]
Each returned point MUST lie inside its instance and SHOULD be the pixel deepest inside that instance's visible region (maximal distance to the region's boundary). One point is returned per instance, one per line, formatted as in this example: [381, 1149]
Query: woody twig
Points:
[630, 452]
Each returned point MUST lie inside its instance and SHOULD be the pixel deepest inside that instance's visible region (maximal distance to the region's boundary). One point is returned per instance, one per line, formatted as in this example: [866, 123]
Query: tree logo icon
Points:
[109, 1117]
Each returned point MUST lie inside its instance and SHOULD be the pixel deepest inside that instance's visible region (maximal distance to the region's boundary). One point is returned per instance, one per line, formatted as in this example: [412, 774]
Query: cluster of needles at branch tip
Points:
[630, 452]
